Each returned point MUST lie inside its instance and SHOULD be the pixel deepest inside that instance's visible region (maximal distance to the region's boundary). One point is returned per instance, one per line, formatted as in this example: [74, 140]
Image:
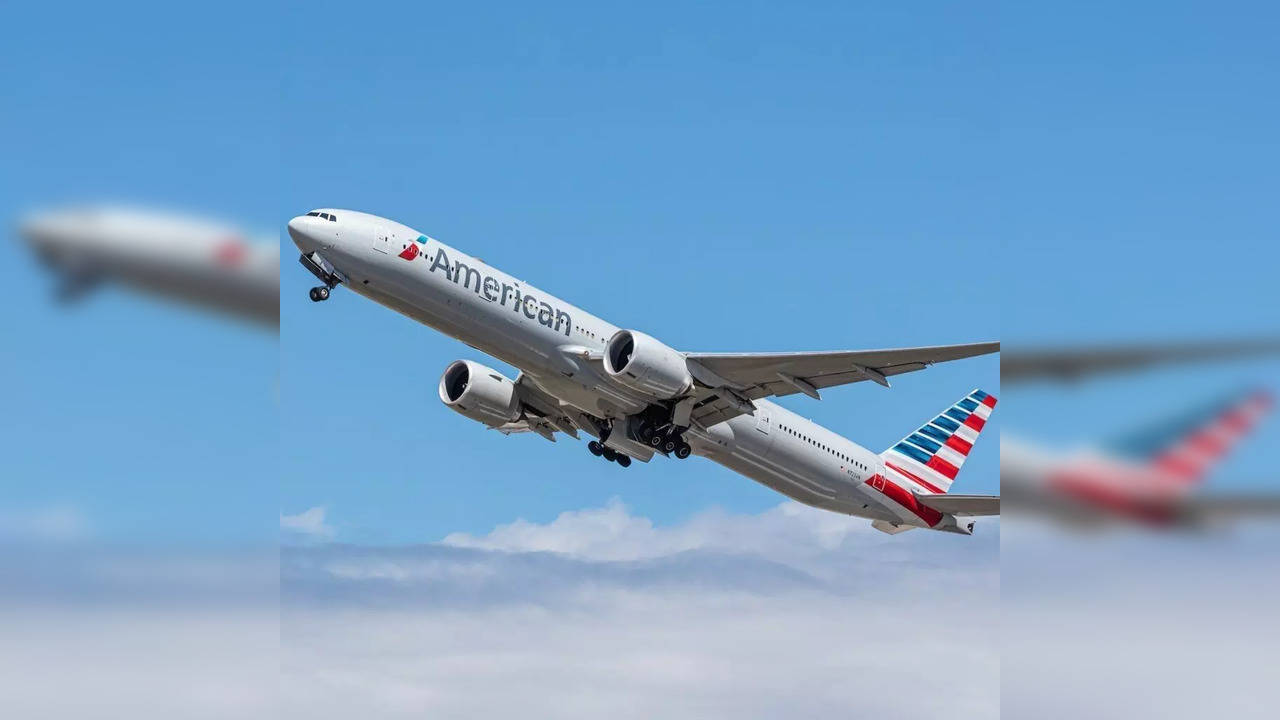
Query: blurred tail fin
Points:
[1187, 447]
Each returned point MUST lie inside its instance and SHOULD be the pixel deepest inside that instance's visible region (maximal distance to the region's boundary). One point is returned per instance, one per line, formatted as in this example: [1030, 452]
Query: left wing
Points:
[961, 504]
[735, 379]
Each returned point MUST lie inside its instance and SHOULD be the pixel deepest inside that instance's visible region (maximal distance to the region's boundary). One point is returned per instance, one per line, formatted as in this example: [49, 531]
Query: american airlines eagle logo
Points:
[410, 252]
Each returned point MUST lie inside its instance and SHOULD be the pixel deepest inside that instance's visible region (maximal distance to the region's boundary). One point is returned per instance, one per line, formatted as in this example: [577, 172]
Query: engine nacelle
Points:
[644, 364]
[480, 393]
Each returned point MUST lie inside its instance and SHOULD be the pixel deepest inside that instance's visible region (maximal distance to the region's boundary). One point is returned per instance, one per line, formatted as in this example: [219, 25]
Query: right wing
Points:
[732, 380]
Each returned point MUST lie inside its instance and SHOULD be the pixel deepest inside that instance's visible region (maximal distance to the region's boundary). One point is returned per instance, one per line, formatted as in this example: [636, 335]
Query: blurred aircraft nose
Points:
[34, 229]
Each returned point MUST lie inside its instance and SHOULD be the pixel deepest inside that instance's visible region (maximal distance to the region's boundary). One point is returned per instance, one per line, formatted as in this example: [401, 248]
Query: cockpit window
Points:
[324, 215]
[333, 218]
[313, 213]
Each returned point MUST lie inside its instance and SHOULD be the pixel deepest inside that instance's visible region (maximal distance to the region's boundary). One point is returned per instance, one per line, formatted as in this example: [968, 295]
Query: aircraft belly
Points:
[789, 471]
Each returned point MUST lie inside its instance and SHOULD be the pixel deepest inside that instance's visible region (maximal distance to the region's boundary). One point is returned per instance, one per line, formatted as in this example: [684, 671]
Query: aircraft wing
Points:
[732, 380]
[542, 414]
[961, 504]
[1073, 363]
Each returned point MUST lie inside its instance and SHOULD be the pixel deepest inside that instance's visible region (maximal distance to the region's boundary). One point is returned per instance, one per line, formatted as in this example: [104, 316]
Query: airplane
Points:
[174, 256]
[1145, 479]
[639, 397]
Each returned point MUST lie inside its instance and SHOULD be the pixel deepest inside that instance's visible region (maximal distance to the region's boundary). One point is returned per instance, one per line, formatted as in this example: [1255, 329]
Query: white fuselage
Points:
[545, 337]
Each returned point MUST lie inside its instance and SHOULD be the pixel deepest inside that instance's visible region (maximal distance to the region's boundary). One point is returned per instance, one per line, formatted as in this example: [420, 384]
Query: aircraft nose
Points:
[295, 227]
[305, 233]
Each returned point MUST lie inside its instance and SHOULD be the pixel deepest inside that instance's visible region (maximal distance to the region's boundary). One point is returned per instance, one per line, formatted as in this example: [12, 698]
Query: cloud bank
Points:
[792, 612]
[307, 524]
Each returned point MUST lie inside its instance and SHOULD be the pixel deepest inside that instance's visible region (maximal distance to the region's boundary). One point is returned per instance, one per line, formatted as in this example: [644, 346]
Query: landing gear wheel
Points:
[595, 448]
[668, 445]
[610, 455]
[683, 451]
[319, 294]
[656, 440]
[624, 460]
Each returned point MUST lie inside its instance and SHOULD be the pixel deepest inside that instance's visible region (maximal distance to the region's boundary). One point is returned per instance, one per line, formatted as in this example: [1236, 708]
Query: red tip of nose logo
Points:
[410, 252]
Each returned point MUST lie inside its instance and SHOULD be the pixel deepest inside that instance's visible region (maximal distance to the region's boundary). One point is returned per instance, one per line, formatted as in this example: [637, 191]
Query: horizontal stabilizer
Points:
[961, 504]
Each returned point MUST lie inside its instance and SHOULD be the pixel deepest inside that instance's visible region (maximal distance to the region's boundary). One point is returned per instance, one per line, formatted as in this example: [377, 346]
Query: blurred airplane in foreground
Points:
[1146, 478]
[177, 257]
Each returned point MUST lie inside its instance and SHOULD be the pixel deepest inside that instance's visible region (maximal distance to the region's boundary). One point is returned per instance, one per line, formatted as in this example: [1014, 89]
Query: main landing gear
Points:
[667, 439]
[609, 454]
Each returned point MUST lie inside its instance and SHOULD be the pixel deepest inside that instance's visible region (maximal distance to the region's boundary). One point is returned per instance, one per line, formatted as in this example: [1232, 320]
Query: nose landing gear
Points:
[325, 272]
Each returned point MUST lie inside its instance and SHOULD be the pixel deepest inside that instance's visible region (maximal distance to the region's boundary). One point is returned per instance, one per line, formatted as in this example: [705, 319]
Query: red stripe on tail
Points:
[903, 497]
[959, 444]
[938, 464]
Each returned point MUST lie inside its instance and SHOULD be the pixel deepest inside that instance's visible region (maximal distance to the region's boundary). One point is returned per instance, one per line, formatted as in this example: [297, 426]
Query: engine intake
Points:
[641, 363]
[480, 393]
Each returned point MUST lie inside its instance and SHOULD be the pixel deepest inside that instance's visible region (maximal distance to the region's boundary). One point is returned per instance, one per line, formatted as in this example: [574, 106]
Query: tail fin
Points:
[930, 457]
[1186, 448]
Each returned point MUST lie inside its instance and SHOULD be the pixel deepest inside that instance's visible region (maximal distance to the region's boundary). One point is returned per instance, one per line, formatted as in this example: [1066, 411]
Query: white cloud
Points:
[613, 533]
[791, 612]
[309, 523]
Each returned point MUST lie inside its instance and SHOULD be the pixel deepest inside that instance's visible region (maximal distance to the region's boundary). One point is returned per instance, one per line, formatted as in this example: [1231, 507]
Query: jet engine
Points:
[641, 363]
[480, 393]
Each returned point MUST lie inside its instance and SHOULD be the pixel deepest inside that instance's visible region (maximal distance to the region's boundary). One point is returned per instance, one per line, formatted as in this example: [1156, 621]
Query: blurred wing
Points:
[1073, 363]
[732, 380]
[1220, 508]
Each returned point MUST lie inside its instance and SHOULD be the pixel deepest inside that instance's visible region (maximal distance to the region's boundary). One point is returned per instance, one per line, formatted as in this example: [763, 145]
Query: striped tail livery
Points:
[930, 457]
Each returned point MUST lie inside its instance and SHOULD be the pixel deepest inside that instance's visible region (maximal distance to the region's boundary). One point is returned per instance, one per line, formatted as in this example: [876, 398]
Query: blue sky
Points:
[1141, 161]
[792, 180]
[152, 423]
[749, 178]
